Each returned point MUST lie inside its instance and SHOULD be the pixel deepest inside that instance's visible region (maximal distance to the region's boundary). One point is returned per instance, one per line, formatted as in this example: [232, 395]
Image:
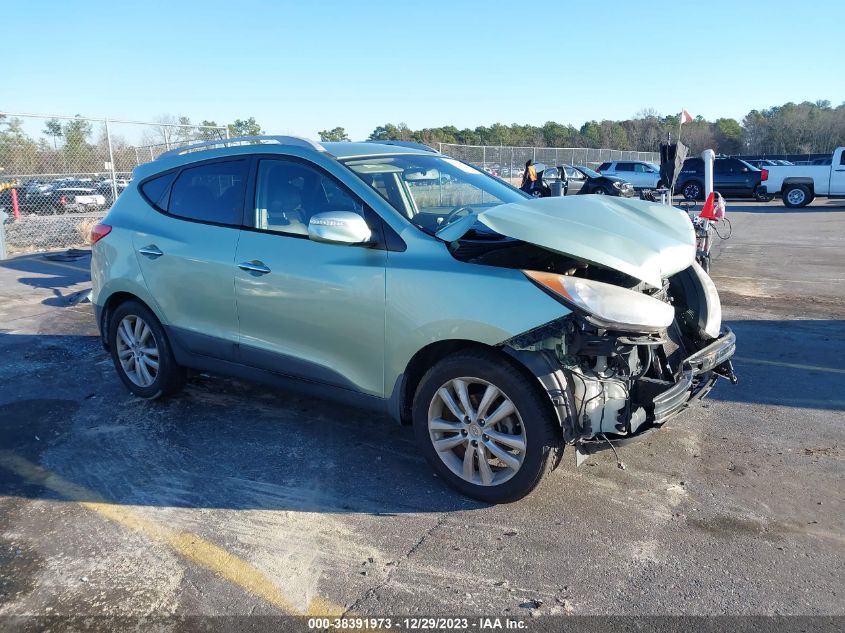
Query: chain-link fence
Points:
[59, 174]
[509, 162]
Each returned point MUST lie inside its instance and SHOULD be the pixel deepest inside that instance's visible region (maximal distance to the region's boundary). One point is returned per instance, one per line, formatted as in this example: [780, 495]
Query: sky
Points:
[300, 67]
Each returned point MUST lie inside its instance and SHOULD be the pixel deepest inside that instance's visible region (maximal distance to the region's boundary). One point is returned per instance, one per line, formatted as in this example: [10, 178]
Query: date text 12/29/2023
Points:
[416, 624]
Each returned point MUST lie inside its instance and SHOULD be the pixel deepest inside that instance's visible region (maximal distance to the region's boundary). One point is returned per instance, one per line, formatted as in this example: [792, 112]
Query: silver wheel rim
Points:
[477, 431]
[795, 196]
[137, 350]
[691, 192]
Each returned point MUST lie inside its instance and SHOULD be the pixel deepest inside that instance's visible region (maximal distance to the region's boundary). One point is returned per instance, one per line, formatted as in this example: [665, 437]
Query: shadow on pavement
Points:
[796, 363]
[219, 444]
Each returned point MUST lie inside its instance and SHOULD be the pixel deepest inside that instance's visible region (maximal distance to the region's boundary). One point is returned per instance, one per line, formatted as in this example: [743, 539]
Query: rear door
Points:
[626, 172]
[308, 309]
[186, 252]
[837, 174]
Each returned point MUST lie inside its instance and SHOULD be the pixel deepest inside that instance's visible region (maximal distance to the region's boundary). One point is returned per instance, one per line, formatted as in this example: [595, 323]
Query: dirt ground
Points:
[236, 499]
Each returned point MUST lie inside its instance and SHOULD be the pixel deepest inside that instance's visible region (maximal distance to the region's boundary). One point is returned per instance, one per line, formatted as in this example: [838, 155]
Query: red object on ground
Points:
[99, 232]
[707, 211]
[16, 209]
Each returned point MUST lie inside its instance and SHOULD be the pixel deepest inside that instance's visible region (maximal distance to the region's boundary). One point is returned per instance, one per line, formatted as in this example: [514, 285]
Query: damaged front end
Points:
[643, 336]
[633, 362]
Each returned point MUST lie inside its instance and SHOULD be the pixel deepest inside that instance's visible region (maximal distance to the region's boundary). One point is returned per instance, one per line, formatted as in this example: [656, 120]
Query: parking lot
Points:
[238, 499]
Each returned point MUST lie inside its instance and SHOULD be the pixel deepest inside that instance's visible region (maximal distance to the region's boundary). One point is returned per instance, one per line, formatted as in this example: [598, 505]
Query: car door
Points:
[575, 180]
[186, 251]
[837, 174]
[627, 172]
[645, 176]
[732, 177]
[308, 309]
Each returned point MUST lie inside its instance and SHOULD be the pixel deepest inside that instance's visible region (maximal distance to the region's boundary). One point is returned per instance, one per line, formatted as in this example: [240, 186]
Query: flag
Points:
[685, 117]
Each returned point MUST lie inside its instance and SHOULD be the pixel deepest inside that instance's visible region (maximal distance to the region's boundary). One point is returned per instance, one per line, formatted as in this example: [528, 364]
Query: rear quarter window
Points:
[155, 190]
[603, 166]
[213, 192]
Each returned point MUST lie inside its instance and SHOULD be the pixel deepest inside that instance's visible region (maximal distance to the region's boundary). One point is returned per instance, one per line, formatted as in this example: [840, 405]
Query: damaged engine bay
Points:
[613, 383]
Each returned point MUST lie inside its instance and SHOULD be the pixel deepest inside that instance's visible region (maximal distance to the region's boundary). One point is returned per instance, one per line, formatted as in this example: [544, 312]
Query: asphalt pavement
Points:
[236, 499]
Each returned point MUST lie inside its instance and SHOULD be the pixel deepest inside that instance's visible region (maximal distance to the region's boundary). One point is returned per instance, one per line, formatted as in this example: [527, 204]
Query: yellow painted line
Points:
[190, 546]
[777, 363]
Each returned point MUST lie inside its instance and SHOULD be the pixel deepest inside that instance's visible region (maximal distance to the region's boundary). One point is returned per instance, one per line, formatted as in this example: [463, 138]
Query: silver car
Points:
[390, 276]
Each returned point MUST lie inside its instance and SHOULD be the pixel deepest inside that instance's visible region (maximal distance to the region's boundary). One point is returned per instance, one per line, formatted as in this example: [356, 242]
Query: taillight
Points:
[99, 232]
[764, 175]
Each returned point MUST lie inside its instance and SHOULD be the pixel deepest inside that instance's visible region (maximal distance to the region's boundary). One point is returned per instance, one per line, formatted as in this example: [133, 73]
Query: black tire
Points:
[704, 262]
[796, 196]
[693, 190]
[170, 377]
[533, 414]
[602, 191]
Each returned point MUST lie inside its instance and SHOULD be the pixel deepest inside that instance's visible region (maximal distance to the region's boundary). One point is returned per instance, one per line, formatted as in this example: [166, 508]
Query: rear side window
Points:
[693, 164]
[624, 167]
[213, 192]
[155, 190]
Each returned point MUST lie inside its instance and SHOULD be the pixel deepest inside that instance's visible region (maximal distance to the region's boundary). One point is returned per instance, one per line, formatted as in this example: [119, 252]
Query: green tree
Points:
[729, 136]
[53, 128]
[79, 154]
[206, 133]
[248, 127]
[335, 134]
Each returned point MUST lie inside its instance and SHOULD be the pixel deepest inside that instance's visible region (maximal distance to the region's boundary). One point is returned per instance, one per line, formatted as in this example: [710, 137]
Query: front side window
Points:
[432, 190]
[213, 192]
[289, 193]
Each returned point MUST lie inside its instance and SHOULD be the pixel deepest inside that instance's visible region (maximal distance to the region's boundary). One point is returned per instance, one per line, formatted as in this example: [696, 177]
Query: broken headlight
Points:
[606, 305]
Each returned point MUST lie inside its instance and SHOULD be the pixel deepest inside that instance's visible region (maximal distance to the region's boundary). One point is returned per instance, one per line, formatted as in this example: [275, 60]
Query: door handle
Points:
[152, 251]
[254, 267]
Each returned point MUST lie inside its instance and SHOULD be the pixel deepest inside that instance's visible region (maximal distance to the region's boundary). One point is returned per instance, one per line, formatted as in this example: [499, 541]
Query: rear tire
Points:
[504, 403]
[693, 191]
[141, 352]
[796, 196]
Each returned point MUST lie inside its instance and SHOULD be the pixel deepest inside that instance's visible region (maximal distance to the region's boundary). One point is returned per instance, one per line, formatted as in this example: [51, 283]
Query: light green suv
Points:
[393, 277]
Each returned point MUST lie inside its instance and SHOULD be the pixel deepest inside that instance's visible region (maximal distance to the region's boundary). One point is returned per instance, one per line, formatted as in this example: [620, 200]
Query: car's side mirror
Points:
[339, 227]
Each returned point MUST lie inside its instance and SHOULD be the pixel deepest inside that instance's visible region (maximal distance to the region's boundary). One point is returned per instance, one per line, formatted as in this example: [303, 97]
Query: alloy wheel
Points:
[477, 431]
[796, 196]
[137, 350]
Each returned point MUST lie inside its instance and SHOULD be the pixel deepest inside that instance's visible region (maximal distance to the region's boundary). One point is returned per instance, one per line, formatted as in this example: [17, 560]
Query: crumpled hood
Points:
[645, 240]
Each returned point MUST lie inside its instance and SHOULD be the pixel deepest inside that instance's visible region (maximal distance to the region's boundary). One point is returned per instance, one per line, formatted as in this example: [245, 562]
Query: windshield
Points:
[432, 190]
[588, 171]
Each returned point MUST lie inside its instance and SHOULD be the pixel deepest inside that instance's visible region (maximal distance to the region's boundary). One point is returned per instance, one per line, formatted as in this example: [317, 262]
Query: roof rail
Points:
[296, 141]
[408, 144]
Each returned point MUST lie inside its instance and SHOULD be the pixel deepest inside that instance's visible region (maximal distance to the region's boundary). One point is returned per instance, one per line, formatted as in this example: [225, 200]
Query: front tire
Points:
[141, 352]
[796, 196]
[485, 428]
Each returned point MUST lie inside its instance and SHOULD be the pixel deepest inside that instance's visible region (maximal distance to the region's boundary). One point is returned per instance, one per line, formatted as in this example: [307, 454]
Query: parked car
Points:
[761, 163]
[502, 327]
[34, 202]
[640, 174]
[798, 185]
[732, 177]
[583, 180]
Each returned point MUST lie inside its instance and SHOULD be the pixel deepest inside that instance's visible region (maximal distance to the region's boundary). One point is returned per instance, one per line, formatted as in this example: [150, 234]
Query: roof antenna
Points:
[619, 463]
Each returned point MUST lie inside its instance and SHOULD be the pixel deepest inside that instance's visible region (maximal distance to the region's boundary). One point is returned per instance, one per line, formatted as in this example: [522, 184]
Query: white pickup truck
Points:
[799, 184]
